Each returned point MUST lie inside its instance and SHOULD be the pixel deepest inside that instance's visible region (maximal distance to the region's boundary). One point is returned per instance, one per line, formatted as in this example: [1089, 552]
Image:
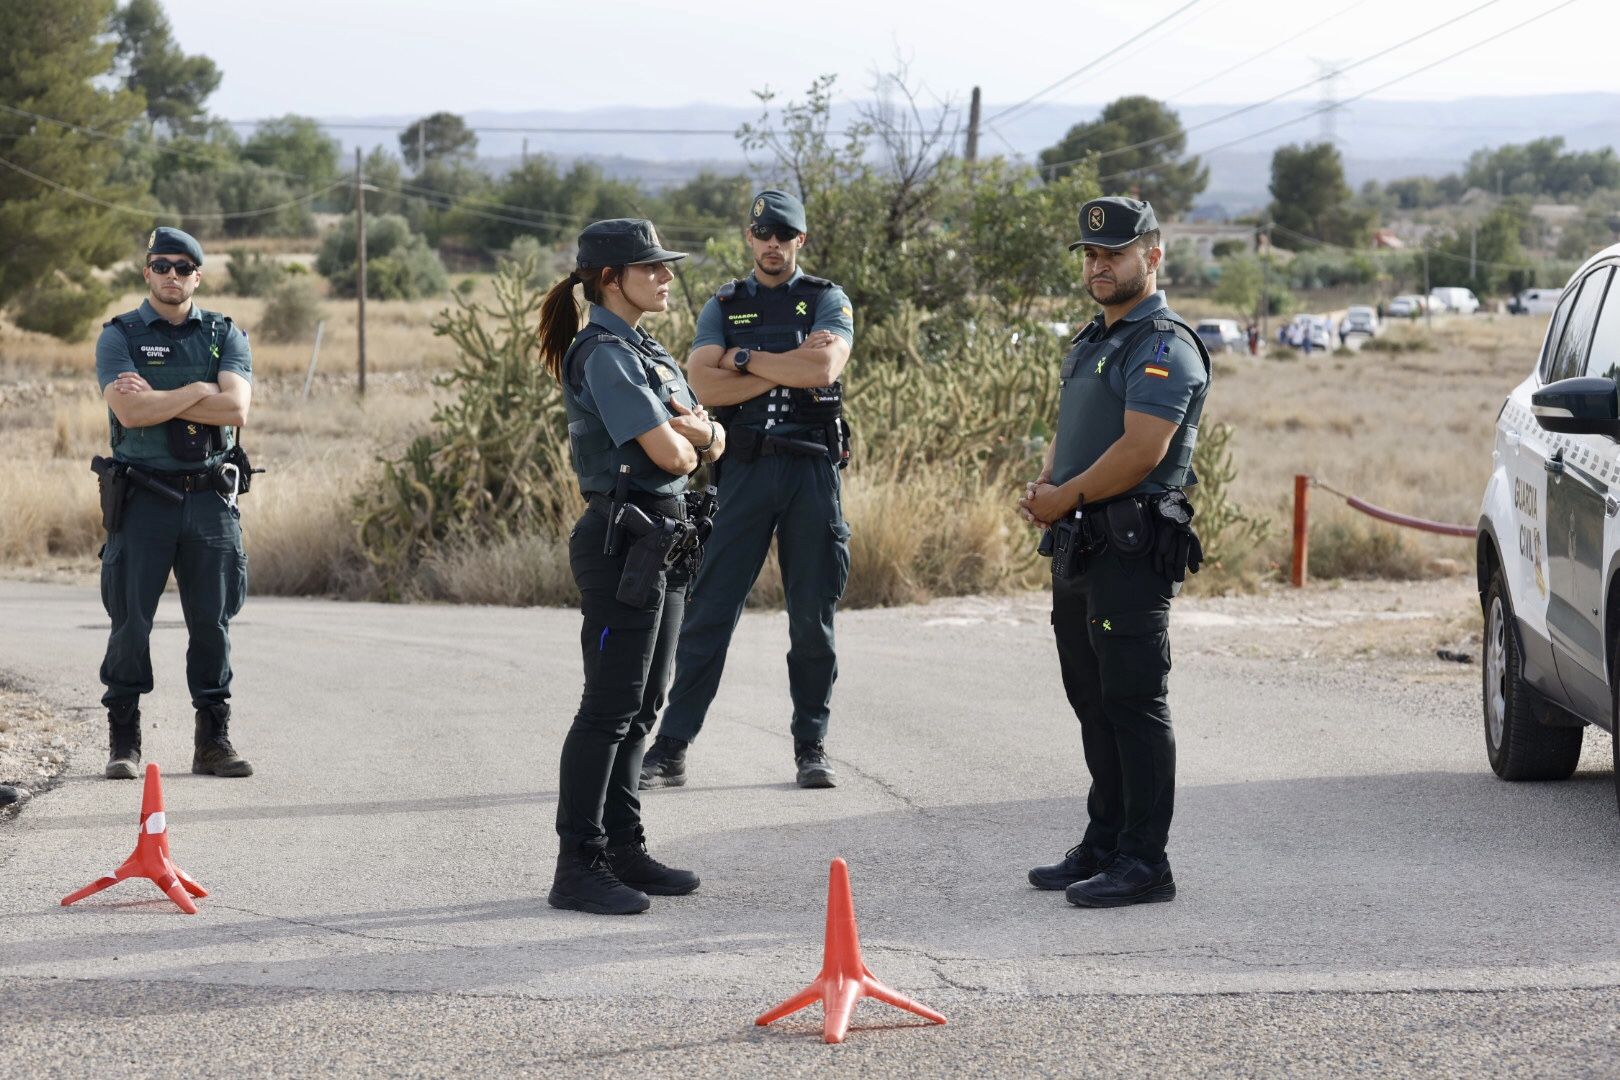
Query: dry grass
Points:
[1411, 431]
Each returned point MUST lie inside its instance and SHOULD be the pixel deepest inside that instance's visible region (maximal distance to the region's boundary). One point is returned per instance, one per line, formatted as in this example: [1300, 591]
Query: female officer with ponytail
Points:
[630, 412]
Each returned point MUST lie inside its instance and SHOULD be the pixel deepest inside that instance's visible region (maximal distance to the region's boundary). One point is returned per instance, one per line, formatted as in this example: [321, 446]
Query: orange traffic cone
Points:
[844, 978]
[151, 858]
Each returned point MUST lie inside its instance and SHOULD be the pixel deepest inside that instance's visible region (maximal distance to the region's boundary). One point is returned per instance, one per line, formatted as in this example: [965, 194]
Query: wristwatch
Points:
[739, 360]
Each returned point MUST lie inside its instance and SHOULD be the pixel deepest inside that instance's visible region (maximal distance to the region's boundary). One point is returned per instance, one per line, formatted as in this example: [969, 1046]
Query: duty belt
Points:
[191, 481]
[671, 506]
[749, 444]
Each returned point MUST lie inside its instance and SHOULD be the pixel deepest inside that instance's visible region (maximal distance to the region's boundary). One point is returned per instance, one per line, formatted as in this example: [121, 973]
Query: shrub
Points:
[399, 263]
[61, 308]
[1225, 529]
[292, 311]
[252, 273]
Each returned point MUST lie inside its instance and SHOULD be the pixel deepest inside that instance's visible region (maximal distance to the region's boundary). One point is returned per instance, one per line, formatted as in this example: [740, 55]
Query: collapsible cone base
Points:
[844, 978]
[152, 858]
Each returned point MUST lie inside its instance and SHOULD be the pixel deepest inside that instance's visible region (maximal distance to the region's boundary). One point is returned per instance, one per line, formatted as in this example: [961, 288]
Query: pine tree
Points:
[55, 56]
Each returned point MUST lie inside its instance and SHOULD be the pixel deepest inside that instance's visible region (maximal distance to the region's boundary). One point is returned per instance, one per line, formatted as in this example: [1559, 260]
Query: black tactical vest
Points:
[1091, 407]
[777, 321]
[596, 459]
[168, 363]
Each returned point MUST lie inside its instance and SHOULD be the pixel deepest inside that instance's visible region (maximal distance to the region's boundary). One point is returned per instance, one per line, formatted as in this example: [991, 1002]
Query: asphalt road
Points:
[1357, 893]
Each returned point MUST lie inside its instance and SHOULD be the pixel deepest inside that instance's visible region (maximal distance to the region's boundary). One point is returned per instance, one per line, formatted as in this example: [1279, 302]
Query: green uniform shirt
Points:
[623, 393]
[1164, 376]
[168, 356]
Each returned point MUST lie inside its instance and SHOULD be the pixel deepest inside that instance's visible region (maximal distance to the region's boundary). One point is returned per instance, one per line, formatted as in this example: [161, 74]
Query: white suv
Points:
[1549, 541]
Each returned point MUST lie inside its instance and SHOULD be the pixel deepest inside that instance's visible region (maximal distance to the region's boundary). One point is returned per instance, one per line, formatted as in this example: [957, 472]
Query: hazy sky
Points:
[351, 57]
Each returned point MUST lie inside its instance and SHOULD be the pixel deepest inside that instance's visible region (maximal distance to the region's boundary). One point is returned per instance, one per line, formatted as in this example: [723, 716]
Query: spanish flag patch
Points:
[1157, 372]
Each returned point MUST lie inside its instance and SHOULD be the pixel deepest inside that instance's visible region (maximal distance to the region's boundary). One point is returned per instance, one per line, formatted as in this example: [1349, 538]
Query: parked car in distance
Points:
[1407, 306]
[1534, 302]
[1221, 335]
[1317, 328]
[1359, 319]
[1454, 299]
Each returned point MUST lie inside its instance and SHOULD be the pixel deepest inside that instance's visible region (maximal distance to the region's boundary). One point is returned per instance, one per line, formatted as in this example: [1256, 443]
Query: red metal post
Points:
[1302, 494]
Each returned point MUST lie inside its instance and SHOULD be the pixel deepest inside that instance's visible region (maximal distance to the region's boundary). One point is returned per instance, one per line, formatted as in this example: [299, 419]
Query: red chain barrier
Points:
[1302, 486]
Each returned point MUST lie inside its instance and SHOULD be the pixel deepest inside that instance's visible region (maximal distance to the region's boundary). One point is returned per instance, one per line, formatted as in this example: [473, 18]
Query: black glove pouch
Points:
[191, 441]
[1130, 528]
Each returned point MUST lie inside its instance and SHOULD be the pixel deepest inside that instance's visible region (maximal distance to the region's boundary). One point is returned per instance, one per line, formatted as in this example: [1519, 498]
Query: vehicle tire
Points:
[1518, 745]
[1614, 717]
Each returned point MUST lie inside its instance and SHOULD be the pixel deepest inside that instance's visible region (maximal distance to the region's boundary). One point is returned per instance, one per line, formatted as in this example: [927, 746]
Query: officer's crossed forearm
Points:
[1122, 466]
[716, 386]
[132, 399]
[818, 361]
[229, 406]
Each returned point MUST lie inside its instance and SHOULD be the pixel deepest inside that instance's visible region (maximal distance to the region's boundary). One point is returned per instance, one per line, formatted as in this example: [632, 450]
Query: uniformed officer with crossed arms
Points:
[1110, 493]
[766, 358]
[178, 382]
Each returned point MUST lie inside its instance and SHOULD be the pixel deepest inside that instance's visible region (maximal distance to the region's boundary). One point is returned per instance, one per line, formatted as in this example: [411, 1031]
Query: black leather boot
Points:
[1125, 880]
[585, 882]
[123, 740]
[632, 865]
[1078, 863]
[664, 764]
[214, 753]
[814, 770]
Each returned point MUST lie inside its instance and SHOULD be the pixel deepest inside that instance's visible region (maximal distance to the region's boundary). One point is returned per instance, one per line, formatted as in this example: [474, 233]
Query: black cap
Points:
[621, 242]
[1114, 222]
[167, 241]
[773, 207]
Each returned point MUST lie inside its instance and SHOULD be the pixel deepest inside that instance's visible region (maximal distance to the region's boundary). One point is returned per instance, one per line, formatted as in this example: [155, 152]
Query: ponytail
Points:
[559, 314]
[559, 322]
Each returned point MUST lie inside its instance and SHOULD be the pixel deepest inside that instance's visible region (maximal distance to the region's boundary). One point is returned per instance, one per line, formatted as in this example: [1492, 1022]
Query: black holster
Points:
[113, 480]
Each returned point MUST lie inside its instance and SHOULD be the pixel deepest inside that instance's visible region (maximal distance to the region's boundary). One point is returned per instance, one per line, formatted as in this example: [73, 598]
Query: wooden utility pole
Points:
[971, 154]
[360, 245]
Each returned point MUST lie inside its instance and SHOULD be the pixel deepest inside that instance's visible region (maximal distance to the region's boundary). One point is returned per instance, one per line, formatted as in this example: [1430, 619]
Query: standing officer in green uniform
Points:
[767, 357]
[1110, 493]
[635, 431]
[178, 381]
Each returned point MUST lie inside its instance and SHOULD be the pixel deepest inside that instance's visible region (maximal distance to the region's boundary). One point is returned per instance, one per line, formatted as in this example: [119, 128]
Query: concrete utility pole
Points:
[360, 241]
[971, 154]
[1262, 243]
[1473, 249]
[421, 126]
[1428, 305]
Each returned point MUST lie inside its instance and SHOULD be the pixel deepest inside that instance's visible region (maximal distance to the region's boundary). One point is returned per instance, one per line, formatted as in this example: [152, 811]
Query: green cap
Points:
[1114, 222]
[167, 241]
[773, 207]
[621, 242]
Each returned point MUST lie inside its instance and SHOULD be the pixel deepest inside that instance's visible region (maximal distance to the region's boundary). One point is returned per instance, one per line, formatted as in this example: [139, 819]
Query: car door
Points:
[1581, 470]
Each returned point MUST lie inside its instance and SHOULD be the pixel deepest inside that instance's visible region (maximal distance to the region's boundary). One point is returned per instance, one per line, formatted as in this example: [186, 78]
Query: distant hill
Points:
[1380, 140]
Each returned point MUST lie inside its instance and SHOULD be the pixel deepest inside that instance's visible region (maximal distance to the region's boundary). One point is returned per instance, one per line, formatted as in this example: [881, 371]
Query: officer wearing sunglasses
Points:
[766, 360]
[177, 381]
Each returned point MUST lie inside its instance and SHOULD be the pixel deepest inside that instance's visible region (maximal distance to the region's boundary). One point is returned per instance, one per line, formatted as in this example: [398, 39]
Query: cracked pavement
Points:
[1358, 892]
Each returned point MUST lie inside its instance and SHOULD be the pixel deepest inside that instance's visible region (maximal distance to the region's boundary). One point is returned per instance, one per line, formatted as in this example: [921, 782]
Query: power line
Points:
[150, 212]
[1432, 252]
[341, 125]
[1357, 97]
[1265, 52]
[1082, 69]
[1183, 131]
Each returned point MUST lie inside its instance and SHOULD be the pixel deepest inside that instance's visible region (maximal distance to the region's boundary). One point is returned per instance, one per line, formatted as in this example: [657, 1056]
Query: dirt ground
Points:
[1404, 627]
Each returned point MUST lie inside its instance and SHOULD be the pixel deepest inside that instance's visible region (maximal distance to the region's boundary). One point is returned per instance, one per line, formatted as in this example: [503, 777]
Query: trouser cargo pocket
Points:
[1133, 652]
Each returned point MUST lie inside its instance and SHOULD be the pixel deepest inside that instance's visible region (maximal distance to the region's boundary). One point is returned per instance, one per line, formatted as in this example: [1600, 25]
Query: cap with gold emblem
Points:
[773, 207]
[1114, 221]
[167, 241]
[622, 242]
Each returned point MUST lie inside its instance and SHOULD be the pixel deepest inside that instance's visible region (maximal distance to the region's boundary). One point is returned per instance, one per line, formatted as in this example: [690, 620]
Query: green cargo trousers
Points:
[201, 542]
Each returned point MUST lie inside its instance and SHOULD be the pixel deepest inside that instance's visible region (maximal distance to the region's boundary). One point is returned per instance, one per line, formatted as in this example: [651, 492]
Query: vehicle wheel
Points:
[1614, 717]
[1518, 746]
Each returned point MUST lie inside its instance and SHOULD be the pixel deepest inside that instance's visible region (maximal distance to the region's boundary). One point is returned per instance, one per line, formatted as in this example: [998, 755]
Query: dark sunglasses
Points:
[160, 267]
[784, 233]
